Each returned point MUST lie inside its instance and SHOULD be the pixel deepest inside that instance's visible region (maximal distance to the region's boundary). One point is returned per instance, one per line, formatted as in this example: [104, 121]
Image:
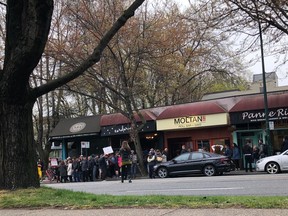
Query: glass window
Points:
[197, 155]
[183, 157]
[203, 145]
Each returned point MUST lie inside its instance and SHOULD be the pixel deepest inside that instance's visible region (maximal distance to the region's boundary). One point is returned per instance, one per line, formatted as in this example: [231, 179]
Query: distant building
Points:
[256, 87]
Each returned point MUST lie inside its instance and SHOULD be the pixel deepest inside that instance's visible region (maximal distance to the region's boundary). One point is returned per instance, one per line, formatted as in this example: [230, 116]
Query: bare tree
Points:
[27, 29]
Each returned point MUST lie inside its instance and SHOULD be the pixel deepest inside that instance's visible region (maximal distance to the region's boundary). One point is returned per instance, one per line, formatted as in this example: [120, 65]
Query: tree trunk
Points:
[139, 152]
[18, 161]
[134, 135]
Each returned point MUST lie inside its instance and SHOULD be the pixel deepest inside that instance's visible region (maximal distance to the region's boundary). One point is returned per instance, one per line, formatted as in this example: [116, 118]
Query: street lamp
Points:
[267, 129]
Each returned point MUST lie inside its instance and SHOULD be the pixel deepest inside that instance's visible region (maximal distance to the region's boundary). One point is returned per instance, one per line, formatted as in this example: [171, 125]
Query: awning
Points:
[191, 109]
[251, 109]
[256, 102]
[120, 119]
[76, 127]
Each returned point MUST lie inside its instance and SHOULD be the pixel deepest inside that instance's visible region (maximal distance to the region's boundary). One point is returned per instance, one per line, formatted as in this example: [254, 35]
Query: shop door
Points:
[174, 145]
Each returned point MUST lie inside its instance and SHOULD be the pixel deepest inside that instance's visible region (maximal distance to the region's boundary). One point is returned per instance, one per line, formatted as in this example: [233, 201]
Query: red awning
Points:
[119, 118]
[197, 108]
[257, 102]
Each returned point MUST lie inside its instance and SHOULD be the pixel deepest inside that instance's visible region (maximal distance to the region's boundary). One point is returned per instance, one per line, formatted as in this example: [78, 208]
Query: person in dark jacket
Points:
[91, 163]
[103, 166]
[76, 169]
[125, 153]
[285, 144]
[248, 152]
[63, 172]
[85, 169]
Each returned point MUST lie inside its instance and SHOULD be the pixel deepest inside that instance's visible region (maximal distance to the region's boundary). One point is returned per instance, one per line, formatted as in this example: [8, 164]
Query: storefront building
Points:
[77, 136]
[248, 119]
[199, 125]
[116, 128]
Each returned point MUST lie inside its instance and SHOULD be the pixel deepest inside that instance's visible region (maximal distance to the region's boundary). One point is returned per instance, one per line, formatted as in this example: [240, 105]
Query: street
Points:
[260, 184]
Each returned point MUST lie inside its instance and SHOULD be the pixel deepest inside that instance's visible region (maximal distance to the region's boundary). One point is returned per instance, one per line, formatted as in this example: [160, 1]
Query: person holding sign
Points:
[125, 153]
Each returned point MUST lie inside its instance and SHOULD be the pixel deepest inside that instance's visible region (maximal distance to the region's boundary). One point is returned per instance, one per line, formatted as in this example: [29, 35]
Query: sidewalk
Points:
[148, 212]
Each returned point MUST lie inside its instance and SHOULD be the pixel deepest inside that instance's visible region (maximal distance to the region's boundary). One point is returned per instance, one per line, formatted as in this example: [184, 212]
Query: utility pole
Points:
[267, 129]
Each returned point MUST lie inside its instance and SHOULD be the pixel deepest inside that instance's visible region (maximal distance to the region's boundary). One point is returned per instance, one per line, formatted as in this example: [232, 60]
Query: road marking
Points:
[188, 189]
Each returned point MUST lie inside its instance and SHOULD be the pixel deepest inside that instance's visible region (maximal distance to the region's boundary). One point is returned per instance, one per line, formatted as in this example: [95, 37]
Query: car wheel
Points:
[162, 172]
[272, 168]
[209, 170]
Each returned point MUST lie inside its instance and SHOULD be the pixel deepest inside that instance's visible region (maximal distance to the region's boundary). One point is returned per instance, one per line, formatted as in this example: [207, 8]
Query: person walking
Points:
[248, 152]
[236, 156]
[125, 152]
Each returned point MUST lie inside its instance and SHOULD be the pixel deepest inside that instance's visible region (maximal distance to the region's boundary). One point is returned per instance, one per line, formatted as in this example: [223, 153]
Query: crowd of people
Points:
[123, 164]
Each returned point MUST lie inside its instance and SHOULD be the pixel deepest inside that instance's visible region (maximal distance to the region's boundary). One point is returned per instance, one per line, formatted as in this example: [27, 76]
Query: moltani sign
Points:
[189, 119]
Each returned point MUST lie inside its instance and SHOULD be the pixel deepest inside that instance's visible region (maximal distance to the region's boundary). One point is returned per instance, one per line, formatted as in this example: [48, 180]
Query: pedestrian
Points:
[285, 143]
[236, 156]
[76, 169]
[247, 152]
[63, 172]
[183, 149]
[256, 154]
[151, 159]
[40, 169]
[228, 152]
[263, 149]
[69, 170]
[91, 163]
[103, 166]
[96, 168]
[125, 152]
[84, 169]
[165, 155]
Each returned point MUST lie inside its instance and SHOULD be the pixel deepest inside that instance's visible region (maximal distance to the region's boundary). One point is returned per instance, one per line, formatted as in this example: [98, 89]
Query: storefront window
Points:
[219, 144]
[203, 145]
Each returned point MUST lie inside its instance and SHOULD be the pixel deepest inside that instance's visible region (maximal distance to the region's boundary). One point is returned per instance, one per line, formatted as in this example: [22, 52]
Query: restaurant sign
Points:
[192, 121]
[125, 128]
[258, 115]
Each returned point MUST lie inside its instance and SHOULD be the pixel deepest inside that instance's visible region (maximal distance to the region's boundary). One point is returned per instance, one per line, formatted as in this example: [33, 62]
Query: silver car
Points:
[273, 164]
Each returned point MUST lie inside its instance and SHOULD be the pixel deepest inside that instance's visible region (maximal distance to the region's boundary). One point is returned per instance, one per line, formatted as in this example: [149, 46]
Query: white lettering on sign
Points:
[279, 113]
[122, 129]
[77, 127]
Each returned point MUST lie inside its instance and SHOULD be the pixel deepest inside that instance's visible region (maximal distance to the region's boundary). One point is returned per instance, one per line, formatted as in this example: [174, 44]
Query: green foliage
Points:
[51, 198]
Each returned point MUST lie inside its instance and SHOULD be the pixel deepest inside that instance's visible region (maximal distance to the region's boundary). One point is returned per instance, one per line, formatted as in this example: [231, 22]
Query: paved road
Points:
[148, 212]
[251, 184]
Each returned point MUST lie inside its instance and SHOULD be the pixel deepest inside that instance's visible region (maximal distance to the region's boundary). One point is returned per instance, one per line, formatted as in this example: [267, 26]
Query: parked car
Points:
[273, 164]
[205, 163]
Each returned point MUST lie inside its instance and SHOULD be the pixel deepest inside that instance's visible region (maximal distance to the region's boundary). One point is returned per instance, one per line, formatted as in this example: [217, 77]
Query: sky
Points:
[269, 62]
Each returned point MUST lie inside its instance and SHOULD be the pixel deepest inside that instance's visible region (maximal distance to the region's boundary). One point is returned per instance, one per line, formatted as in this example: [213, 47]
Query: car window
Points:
[182, 157]
[207, 155]
[197, 155]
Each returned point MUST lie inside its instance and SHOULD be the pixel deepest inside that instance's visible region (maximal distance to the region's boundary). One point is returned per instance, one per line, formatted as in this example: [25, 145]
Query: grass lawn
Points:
[51, 198]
